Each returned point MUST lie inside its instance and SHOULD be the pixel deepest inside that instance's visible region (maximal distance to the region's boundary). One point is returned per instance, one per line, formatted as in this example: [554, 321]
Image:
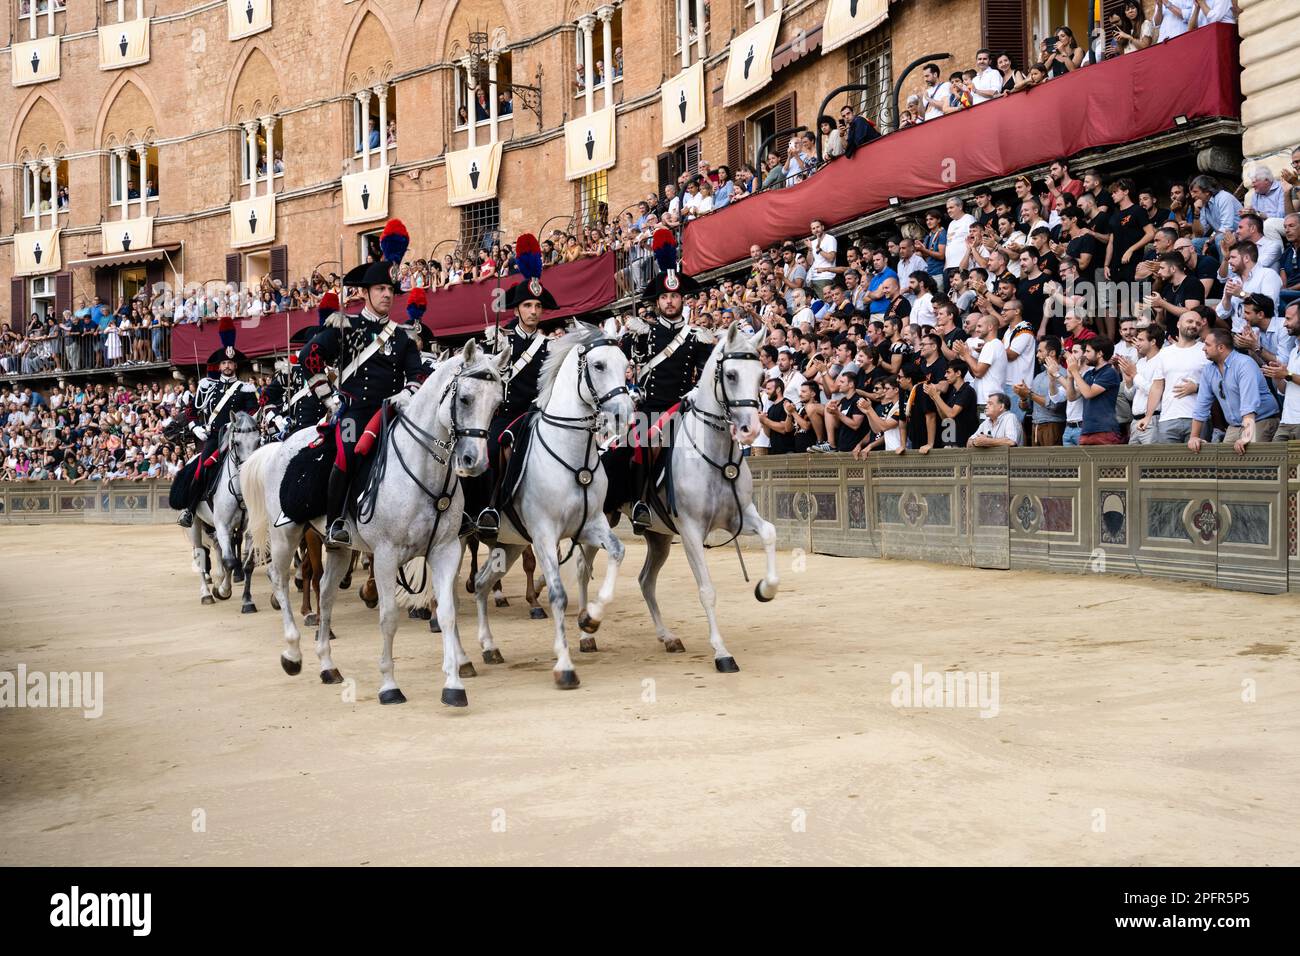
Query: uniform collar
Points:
[670, 324]
[369, 316]
[523, 333]
[228, 381]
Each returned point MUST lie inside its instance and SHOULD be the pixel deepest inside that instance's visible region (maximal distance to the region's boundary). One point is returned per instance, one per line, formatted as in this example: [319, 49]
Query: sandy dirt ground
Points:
[1121, 737]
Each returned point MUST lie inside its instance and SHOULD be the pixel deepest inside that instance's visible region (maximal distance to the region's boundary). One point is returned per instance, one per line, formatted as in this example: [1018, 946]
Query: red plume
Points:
[394, 227]
[417, 298]
[662, 237]
[329, 301]
[527, 242]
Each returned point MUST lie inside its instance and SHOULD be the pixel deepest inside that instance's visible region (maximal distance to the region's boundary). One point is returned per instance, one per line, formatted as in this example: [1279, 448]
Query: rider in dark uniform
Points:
[526, 336]
[302, 407]
[221, 395]
[377, 360]
[274, 397]
[668, 357]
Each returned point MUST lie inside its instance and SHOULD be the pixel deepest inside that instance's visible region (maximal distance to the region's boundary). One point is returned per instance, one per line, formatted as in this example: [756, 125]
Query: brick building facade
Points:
[304, 84]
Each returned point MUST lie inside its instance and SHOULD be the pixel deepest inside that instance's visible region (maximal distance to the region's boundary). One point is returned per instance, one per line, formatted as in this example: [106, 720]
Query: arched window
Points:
[133, 180]
[120, 11]
[374, 123]
[267, 147]
[38, 196]
[600, 64]
[40, 18]
[483, 92]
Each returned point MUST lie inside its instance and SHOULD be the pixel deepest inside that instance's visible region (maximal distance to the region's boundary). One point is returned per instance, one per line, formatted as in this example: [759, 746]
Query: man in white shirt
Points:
[1246, 277]
[803, 317]
[1175, 380]
[988, 81]
[1019, 346]
[1171, 18]
[822, 248]
[908, 260]
[954, 253]
[935, 96]
[1285, 373]
[1137, 383]
[988, 366]
[999, 428]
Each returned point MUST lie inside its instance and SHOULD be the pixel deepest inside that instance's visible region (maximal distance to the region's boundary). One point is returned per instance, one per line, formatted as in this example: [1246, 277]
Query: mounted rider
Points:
[302, 406]
[377, 361]
[668, 354]
[220, 396]
[526, 336]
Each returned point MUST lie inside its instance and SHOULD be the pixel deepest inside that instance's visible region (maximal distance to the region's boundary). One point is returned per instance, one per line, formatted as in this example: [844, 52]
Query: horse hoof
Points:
[275, 603]
[331, 633]
[674, 646]
[587, 645]
[455, 697]
[726, 665]
[393, 696]
[370, 604]
[208, 599]
[346, 582]
[419, 614]
[311, 620]
[537, 614]
[758, 592]
[493, 657]
[566, 680]
[221, 597]
[467, 669]
[434, 626]
[469, 585]
[237, 574]
[331, 677]
[502, 601]
[249, 608]
[297, 584]
[292, 668]
[588, 624]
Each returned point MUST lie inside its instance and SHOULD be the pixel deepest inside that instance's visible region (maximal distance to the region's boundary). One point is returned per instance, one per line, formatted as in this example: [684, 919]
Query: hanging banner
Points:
[252, 221]
[247, 17]
[125, 235]
[589, 144]
[749, 63]
[472, 174]
[35, 61]
[681, 101]
[848, 19]
[365, 195]
[36, 253]
[124, 44]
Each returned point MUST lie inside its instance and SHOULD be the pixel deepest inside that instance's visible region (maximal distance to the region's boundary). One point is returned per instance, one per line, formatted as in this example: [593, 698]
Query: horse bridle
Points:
[233, 448]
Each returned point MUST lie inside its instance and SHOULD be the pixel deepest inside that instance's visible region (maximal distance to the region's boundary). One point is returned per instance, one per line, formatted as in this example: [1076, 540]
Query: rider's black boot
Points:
[336, 535]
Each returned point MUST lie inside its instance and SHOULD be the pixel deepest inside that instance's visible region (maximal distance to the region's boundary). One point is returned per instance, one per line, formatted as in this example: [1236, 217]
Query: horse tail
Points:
[252, 479]
[419, 580]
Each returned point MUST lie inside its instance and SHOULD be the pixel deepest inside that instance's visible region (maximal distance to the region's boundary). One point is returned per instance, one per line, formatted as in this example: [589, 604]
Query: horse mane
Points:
[557, 351]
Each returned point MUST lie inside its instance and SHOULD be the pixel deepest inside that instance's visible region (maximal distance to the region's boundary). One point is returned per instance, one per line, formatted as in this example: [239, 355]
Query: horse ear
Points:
[733, 332]
[611, 329]
[469, 351]
[503, 361]
[759, 336]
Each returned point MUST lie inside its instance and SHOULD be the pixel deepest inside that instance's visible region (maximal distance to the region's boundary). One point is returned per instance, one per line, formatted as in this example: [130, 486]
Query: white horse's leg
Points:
[282, 549]
[657, 548]
[226, 559]
[693, 544]
[199, 558]
[765, 589]
[444, 565]
[566, 678]
[585, 557]
[598, 532]
[246, 555]
[336, 565]
[385, 566]
[499, 561]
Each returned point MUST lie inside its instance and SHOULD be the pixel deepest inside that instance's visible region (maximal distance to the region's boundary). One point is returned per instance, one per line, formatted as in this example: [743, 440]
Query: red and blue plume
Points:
[329, 303]
[416, 304]
[226, 331]
[393, 241]
[528, 256]
[664, 246]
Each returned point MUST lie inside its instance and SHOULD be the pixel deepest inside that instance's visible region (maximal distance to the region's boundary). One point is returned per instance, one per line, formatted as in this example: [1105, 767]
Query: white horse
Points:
[583, 399]
[223, 521]
[711, 481]
[414, 511]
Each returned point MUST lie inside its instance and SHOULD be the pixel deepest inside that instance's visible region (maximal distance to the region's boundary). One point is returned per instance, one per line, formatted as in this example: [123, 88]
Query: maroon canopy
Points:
[578, 287]
[1117, 101]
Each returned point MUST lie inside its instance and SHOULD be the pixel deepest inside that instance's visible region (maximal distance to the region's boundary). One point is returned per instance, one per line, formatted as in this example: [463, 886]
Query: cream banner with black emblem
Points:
[124, 44]
[252, 221]
[36, 253]
[247, 17]
[126, 235]
[365, 195]
[848, 19]
[472, 174]
[681, 101]
[749, 63]
[589, 144]
[35, 61]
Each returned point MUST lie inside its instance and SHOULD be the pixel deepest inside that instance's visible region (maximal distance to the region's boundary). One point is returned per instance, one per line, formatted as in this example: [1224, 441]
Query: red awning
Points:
[1118, 101]
[578, 287]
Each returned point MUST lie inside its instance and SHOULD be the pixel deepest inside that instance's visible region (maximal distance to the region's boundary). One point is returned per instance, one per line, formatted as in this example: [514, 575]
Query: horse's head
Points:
[733, 377]
[468, 403]
[604, 382]
[243, 435]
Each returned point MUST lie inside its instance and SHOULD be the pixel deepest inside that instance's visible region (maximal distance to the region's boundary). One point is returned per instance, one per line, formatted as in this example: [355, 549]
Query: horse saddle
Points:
[522, 430]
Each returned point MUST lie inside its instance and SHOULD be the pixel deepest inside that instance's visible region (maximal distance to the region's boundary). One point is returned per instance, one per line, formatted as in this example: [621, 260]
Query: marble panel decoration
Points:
[1058, 514]
[1249, 525]
[1165, 518]
[938, 509]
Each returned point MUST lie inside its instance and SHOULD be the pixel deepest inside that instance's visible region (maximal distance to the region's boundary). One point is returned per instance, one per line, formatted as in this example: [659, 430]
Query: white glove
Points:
[332, 403]
[200, 433]
[281, 423]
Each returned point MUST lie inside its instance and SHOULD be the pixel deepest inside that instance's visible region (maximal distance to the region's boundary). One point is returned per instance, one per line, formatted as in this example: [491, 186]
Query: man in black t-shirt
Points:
[1031, 291]
[1130, 230]
[776, 421]
[1079, 245]
[843, 417]
[957, 411]
[1178, 293]
[921, 424]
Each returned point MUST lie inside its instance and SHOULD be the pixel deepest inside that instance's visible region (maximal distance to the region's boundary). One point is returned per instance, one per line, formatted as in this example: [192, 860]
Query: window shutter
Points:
[233, 270]
[785, 117]
[280, 264]
[666, 171]
[692, 154]
[62, 294]
[1004, 29]
[18, 304]
[153, 275]
[104, 286]
[1107, 8]
[735, 146]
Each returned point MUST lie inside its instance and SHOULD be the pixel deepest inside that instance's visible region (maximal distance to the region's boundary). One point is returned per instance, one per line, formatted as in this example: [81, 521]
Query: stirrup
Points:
[337, 536]
[488, 525]
[186, 520]
[642, 518]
